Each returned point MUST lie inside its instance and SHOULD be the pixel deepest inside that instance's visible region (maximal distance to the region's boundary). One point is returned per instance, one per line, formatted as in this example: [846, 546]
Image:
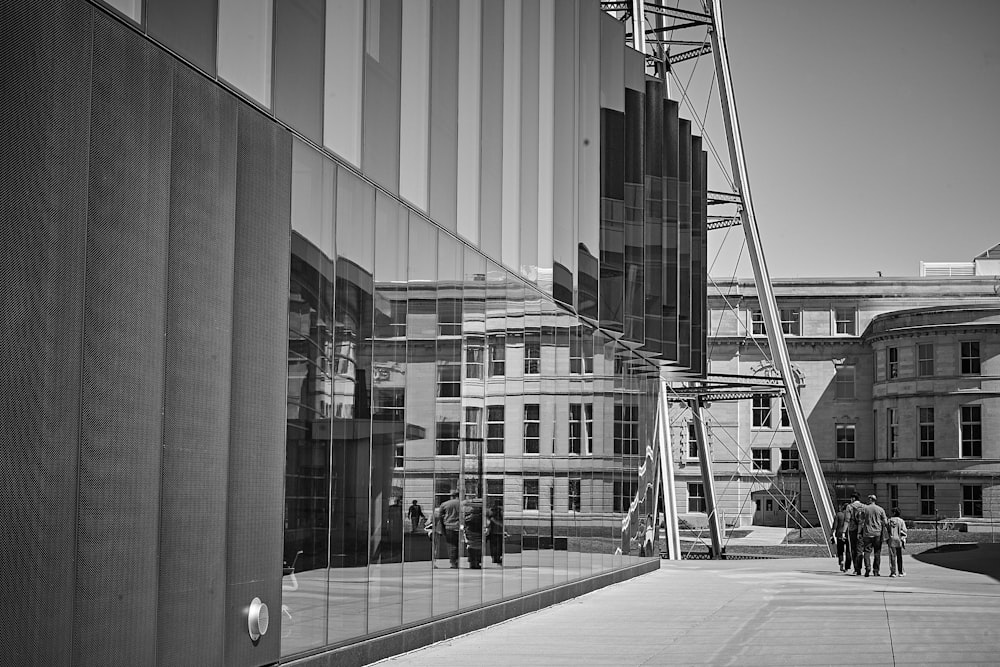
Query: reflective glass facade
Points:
[300, 290]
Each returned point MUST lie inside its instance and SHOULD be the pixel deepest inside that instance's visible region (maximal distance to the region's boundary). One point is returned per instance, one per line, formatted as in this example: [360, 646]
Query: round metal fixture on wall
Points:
[257, 619]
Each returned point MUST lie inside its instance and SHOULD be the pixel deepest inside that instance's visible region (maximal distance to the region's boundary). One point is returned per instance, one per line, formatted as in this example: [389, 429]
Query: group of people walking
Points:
[859, 531]
[453, 517]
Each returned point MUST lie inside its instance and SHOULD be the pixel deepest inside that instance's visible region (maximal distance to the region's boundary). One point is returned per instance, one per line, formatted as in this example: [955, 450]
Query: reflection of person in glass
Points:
[449, 517]
[415, 513]
[473, 514]
[495, 516]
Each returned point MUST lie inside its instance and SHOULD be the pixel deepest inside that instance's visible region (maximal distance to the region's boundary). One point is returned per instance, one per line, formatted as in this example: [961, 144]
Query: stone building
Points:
[900, 382]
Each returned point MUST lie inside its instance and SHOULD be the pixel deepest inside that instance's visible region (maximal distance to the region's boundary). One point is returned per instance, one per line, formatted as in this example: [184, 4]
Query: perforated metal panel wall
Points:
[198, 369]
[257, 423]
[43, 211]
[122, 389]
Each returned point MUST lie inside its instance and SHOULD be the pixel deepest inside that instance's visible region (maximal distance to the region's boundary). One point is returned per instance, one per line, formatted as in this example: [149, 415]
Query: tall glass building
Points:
[276, 271]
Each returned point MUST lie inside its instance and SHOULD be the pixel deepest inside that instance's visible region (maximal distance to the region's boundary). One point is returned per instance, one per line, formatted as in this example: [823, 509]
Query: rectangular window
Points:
[927, 507]
[785, 421]
[449, 379]
[893, 495]
[790, 459]
[447, 438]
[588, 433]
[532, 357]
[844, 382]
[494, 429]
[972, 500]
[925, 359]
[696, 497]
[626, 430]
[692, 438]
[474, 360]
[769, 505]
[972, 431]
[450, 317]
[791, 321]
[443, 486]
[757, 323]
[575, 428]
[530, 495]
[845, 441]
[531, 427]
[761, 458]
[498, 355]
[494, 492]
[575, 490]
[845, 321]
[892, 432]
[970, 357]
[624, 492]
[761, 411]
[925, 428]
[473, 429]
[891, 362]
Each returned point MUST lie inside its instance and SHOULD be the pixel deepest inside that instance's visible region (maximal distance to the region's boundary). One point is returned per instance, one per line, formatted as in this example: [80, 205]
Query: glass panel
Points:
[310, 403]
[469, 136]
[444, 113]
[298, 65]
[699, 254]
[671, 230]
[589, 162]
[510, 243]
[391, 531]
[492, 118]
[528, 123]
[684, 246]
[420, 330]
[546, 145]
[653, 191]
[635, 208]
[245, 46]
[187, 27]
[350, 485]
[342, 80]
[414, 125]
[380, 134]
[564, 215]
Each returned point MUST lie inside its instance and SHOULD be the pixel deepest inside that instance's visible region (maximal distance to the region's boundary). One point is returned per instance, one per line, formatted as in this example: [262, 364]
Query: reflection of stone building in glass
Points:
[289, 266]
[901, 386]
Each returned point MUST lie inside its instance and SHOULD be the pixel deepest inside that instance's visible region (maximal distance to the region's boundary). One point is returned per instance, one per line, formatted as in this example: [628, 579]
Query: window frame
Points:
[442, 442]
[532, 356]
[790, 326]
[927, 493]
[574, 500]
[531, 432]
[527, 485]
[892, 433]
[845, 442]
[925, 432]
[757, 327]
[838, 320]
[971, 362]
[972, 507]
[891, 362]
[970, 429]
[760, 458]
[697, 501]
[839, 382]
[790, 459]
[760, 411]
[497, 355]
[925, 364]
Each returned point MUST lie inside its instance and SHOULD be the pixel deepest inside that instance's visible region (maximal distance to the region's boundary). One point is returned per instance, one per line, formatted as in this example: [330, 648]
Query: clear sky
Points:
[871, 132]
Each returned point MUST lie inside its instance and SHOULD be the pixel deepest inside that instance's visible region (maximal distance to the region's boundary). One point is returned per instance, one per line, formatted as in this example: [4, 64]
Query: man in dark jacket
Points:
[853, 532]
[450, 513]
[841, 524]
[873, 522]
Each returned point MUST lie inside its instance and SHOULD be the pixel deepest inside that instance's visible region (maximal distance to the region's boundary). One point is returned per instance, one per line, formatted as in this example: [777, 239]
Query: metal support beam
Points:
[769, 310]
[692, 53]
[638, 29]
[716, 197]
[707, 476]
[667, 475]
[723, 223]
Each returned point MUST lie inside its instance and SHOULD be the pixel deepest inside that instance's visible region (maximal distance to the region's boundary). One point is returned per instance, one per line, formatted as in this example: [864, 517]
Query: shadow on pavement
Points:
[978, 558]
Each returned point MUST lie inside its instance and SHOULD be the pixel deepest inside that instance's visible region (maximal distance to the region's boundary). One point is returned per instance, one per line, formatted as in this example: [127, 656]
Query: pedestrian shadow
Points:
[978, 558]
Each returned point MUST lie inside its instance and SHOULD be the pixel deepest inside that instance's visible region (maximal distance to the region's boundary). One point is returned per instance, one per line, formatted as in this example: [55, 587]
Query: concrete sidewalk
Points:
[757, 612]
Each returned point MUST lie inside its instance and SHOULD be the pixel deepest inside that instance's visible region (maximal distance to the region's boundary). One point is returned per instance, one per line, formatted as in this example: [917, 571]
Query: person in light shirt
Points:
[872, 522]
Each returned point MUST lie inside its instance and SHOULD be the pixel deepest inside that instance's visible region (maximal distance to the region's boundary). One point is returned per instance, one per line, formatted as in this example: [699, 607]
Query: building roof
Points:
[992, 253]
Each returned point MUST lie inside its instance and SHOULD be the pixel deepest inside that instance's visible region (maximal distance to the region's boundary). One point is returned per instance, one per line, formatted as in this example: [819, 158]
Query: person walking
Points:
[841, 522]
[473, 514]
[897, 542]
[451, 513]
[872, 523]
[415, 513]
[495, 533]
[853, 534]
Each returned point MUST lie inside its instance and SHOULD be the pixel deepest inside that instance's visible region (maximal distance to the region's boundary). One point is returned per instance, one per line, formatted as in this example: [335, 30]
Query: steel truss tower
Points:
[700, 392]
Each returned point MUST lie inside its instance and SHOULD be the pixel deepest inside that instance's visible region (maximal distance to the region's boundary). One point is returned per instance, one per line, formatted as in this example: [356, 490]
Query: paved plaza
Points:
[800, 611]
